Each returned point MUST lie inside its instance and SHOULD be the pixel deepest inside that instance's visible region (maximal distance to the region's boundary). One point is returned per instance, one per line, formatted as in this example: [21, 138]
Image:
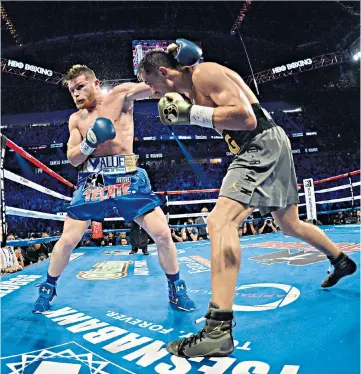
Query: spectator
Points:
[88, 243]
[267, 227]
[46, 248]
[339, 219]
[138, 239]
[105, 241]
[202, 231]
[8, 261]
[176, 235]
[189, 233]
[34, 254]
[358, 214]
[246, 229]
[123, 238]
[314, 222]
[111, 239]
[19, 257]
[242, 229]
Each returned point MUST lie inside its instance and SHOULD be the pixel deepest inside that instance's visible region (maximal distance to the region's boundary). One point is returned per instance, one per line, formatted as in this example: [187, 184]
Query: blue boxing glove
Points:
[99, 132]
[185, 52]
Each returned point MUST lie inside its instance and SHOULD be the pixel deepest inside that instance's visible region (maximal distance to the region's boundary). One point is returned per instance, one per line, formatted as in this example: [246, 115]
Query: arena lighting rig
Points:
[296, 67]
[240, 17]
[10, 26]
[318, 62]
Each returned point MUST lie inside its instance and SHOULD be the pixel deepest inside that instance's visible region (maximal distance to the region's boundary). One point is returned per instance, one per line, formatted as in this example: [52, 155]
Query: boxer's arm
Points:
[135, 91]
[74, 154]
[233, 111]
[141, 91]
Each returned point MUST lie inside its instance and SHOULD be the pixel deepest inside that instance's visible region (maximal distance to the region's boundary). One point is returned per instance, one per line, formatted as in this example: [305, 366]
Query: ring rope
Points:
[36, 162]
[330, 179]
[339, 187]
[25, 182]
[61, 216]
[187, 202]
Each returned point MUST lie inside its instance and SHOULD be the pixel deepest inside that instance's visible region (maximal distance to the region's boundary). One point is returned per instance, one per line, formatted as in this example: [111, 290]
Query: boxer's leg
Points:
[215, 339]
[156, 225]
[223, 223]
[72, 233]
[291, 225]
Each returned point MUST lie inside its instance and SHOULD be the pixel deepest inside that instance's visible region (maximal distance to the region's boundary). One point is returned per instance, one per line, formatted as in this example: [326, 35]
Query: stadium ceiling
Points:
[299, 24]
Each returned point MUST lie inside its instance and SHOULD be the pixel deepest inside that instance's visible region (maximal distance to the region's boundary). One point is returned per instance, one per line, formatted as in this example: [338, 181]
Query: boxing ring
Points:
[112, 314]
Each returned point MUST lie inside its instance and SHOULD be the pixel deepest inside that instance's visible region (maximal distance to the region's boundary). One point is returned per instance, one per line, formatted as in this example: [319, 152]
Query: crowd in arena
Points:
[194, 159]
[181, 164]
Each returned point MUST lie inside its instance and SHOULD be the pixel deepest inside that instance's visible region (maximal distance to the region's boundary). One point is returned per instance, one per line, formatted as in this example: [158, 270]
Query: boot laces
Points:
[192, 339]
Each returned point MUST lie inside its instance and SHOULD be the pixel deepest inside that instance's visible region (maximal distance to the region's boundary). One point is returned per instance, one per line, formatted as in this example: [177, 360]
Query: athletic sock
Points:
[172, 277]
[51, 280]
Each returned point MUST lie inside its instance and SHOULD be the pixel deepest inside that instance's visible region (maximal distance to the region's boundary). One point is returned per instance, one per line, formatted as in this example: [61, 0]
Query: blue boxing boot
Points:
[47, 293]
[177, 291]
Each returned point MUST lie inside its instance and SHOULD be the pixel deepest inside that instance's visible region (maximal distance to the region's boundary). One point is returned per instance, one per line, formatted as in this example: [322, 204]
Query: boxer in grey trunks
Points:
[261, 176]
[262, 173]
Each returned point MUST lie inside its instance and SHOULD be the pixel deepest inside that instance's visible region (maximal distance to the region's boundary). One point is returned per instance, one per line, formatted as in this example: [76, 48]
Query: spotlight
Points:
[359, 54]
[355, 57]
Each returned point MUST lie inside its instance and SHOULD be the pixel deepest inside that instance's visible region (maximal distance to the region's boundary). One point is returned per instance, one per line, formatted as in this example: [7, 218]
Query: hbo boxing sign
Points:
[292, 65]
[33, 68]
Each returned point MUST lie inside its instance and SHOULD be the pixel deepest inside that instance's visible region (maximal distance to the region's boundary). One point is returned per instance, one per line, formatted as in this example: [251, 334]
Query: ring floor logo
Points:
[296, 254]
[68, 358]
[106, 270]
[10, 285]
[260, 297]
[143, 351]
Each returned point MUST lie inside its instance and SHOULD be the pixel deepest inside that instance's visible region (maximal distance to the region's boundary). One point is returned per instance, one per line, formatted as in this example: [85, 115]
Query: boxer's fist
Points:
[174, 110]
[185, 52]
[100, 131]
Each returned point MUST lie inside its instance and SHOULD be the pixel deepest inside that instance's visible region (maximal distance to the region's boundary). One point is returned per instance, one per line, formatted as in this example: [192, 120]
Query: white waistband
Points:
[115, 164]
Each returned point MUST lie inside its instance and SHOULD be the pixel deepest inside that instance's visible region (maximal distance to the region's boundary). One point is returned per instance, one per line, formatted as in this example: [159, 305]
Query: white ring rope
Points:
[339, 187]
[33, 214]
[25, 182]
[339, 200]
[335, 200]
[61, 215]
[186, 202]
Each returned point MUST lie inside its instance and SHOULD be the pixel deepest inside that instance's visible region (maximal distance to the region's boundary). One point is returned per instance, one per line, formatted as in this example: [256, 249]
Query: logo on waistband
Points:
[123, 180]
[107, 162]
[94, 181]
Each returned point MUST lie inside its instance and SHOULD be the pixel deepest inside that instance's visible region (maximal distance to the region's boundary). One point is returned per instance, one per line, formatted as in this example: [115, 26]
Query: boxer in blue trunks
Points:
[101, 143]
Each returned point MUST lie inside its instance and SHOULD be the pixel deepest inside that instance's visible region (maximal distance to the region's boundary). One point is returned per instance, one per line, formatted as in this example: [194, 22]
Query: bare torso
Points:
[199, 98]
[114, 107]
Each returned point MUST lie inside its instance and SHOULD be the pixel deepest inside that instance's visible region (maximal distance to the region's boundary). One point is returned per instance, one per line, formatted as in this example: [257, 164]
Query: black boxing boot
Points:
[133, 251]
[343, 266]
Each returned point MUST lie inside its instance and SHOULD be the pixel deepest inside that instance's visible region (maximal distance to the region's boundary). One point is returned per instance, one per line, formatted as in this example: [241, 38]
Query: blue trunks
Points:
[112, 186]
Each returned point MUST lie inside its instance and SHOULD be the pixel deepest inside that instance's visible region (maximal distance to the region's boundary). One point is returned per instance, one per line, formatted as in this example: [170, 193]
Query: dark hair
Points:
[156, 58]
[75, 71]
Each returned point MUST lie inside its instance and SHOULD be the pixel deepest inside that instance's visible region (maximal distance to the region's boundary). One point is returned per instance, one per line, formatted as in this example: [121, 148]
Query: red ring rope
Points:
[337, 177]
[33, 160]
